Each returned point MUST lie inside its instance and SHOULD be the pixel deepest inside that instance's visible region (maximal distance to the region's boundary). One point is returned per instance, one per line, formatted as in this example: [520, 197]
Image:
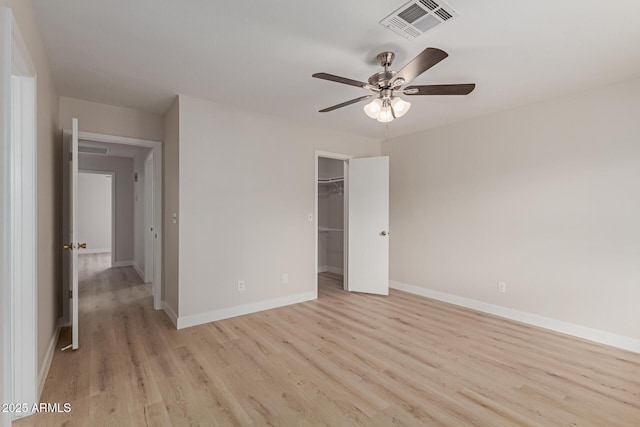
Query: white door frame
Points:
[113, 207]
[343, 157]
[19, 218]
[5, 141]
[156, 149]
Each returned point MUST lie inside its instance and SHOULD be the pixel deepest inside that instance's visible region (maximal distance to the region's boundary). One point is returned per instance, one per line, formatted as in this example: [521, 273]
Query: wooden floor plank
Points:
[344, 359]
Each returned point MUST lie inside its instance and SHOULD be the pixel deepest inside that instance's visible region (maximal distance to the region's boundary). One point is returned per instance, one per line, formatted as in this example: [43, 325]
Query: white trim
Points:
[139, 271]
[239, 310]
[6, 311]
[119, 264]
[596, 335]
[94, 251]
[170, 313]
[48, 358]
[337, 156]
[330, 269]
[114, 139]
[23, 222]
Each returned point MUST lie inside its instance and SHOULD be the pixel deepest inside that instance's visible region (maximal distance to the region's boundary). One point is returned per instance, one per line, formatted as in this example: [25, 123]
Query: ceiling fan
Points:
[386, 84]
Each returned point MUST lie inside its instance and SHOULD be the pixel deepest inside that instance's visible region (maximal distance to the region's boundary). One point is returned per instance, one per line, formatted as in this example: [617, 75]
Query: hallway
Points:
[107, 378]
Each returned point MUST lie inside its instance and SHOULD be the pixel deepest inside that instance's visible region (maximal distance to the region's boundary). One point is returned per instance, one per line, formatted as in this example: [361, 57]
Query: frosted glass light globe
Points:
[400, 107]
[373, 108]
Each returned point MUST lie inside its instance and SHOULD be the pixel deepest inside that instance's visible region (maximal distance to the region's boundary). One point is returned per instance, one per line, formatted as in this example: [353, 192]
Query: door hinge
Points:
[70, 156]
[70, 293]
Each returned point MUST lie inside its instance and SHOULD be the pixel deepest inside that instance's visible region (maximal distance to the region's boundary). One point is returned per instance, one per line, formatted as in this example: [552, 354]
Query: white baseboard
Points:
[169, 312]
[239, 310]
[139, 271]
[48, 358]
[602, 337]
[94, 251]
[329, 269]
[123, 264]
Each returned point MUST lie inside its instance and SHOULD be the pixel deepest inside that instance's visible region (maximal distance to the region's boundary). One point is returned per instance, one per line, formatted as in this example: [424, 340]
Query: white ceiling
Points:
[259, 55]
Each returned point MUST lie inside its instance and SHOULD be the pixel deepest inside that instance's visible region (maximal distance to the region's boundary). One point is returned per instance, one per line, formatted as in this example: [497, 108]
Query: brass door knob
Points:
[82, 246]
[384, 233]
[67, 247]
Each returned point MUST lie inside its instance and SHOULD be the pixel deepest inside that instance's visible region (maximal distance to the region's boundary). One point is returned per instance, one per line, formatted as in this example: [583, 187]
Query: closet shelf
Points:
[330, 180]
[327, 229]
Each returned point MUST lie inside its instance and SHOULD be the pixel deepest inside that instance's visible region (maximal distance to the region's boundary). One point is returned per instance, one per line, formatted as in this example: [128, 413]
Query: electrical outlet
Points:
[240, 285]
[285, 278]
[502, 287]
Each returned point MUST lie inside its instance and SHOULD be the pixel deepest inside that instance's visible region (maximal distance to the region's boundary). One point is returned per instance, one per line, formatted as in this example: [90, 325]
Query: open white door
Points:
[148, 219]
[72, 244]
[368, 225]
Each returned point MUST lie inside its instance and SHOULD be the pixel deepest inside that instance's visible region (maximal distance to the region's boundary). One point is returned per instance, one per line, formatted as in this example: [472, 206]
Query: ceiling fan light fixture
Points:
[400, 106]
[373, 108]
[386, 115]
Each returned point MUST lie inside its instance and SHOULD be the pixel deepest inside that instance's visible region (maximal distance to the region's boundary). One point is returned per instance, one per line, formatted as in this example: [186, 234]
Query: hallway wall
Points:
[139, 206]
[48, 185]
[94, 212]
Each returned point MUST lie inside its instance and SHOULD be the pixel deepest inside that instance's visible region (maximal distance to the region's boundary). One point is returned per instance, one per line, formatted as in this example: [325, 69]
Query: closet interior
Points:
[331, 217]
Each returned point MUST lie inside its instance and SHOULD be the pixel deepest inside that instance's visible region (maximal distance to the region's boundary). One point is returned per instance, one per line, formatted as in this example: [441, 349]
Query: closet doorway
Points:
[352, 219]
[331, 225]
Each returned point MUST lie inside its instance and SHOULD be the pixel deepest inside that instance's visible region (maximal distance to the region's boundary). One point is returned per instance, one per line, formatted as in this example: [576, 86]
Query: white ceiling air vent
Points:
[93, 150]
[419, 16]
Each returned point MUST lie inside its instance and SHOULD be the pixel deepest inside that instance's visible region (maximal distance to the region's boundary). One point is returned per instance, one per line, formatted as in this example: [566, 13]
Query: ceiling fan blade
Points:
[460, 89]
[421, 63]
[338, 79]
[344, 104]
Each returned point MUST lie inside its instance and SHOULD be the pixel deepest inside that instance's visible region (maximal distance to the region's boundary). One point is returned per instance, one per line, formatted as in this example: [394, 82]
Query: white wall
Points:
[110, 119]
[171, 206]
[543, 197]
[123, 169]
[247, 183]
[94, 212]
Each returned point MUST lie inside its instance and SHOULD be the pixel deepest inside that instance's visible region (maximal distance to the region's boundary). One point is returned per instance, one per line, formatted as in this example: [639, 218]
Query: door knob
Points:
[384, 233]
[82, 246]
[67, 247]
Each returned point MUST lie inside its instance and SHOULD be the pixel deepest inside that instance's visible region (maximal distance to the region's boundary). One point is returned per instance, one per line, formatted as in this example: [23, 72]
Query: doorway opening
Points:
[359, 196]
[135, 170]
[330, 223]
[96, 204]
[331, 220]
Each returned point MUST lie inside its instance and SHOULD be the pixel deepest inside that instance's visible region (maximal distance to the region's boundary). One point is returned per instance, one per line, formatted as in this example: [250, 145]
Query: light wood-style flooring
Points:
[345, 359]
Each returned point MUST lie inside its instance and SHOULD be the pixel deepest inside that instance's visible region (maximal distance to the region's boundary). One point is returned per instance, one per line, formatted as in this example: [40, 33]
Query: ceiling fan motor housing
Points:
[382, 79]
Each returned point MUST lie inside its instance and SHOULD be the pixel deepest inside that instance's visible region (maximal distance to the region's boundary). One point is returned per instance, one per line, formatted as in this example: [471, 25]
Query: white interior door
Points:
[368, 225]
[148, 219]
[72, 244]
